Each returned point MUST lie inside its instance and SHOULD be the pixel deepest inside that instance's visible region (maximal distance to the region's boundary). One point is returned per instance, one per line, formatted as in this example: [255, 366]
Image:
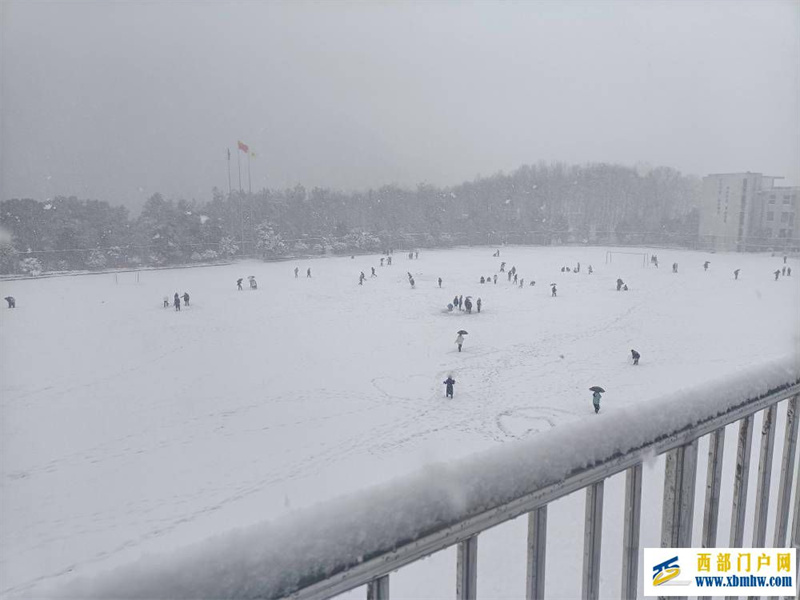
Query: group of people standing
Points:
[176, 300]
[461, 303]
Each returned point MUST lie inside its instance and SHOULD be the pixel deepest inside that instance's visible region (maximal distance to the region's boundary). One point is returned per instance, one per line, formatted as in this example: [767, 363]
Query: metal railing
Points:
[681, 450]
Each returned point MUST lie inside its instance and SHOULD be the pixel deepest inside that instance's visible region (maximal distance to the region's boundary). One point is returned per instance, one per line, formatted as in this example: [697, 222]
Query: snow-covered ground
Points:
[129, 429]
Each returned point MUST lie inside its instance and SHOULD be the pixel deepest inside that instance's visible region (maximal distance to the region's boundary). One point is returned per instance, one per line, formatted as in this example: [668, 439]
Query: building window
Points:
[770, 216]
[784, 217]
[782, 233]
[772, 198]
[787, 199]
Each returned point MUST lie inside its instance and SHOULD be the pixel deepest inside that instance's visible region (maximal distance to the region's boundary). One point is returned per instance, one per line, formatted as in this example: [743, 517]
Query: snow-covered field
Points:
[128, 429]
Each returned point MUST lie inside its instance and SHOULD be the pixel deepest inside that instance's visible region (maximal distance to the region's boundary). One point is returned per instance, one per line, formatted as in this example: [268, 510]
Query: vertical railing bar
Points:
[467, 569]
[787, 472]
[630, 536]
[668, 508]
[740, 481]
[678, 504]
[764, 475]
[796, 527]
[378, 589]
[592, 538]
[537, 551]
[716, 448]
[687, 489]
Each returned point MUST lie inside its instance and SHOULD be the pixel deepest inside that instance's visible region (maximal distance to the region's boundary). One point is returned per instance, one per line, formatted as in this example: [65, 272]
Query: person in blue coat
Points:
[449, 382]
[596, 401]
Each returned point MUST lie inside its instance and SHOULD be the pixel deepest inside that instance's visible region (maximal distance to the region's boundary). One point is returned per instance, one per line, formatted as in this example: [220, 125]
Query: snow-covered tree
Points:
[96, 260]
[31, 266]
[227, 247]
[269, 242]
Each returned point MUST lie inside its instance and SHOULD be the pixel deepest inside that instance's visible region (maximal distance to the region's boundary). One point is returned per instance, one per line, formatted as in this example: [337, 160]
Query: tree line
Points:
[535, 204]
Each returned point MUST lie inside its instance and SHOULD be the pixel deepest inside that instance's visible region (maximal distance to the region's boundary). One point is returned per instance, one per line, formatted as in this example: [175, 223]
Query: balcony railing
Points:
[361, 540]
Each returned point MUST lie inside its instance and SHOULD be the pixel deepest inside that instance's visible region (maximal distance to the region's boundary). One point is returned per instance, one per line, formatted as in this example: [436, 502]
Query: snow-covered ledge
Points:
[275, 559]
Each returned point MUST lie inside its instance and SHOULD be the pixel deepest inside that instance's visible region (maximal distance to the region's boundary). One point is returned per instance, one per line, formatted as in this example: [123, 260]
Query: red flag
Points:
[243, 147]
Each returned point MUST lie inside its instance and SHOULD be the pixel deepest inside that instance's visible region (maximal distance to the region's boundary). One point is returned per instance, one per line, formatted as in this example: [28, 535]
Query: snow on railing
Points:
[356, 540]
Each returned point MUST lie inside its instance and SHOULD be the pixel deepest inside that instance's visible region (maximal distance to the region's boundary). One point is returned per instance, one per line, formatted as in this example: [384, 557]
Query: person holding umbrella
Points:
[597, 390]
[460, 338]
[12, 303]
[449, 382]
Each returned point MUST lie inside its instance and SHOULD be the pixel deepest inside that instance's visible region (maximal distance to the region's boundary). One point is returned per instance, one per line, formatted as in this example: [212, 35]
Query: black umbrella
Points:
[552, 284]
[596, 388]
[462, 332]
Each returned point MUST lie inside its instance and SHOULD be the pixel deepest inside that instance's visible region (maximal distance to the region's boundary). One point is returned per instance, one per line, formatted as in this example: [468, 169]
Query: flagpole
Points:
[229, 171]
[239, 163]
[249, 186]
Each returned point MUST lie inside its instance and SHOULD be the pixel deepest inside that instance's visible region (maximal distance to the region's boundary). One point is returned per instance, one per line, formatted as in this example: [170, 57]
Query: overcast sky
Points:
[118, 100]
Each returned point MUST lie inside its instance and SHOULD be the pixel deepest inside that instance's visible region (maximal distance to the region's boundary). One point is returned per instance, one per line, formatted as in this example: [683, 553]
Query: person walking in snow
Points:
[619, 284]
[166, 301]
[460, 341]
[176, 301]
[515, 279]
[625, 288]
[440, 282]
[674, 267]
[502, 267]
[596, 401]
[635, 356]
[455, 301]
[553, 292]
[296, 272]
[308, 272]
[478, 304]
[510, 275]
[411, 281]
[777, 274]
[449, 382]
[361, 278]
[389, 261]
[655, 261]
[483, 279]
[495, 278]
[533, 283]
[186, 298]
[468, 305]
[521, 283]
[239, 282]
[590, 269]
[783, 271]
[416, 254]
[12, 303]
[788, 271]
[736, 273]
[373, 272]
[460, 302]
[705, 265]
[381, 261]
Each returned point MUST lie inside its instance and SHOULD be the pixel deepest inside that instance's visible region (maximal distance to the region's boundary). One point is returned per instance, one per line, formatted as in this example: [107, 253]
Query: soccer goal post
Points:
[610, 254]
